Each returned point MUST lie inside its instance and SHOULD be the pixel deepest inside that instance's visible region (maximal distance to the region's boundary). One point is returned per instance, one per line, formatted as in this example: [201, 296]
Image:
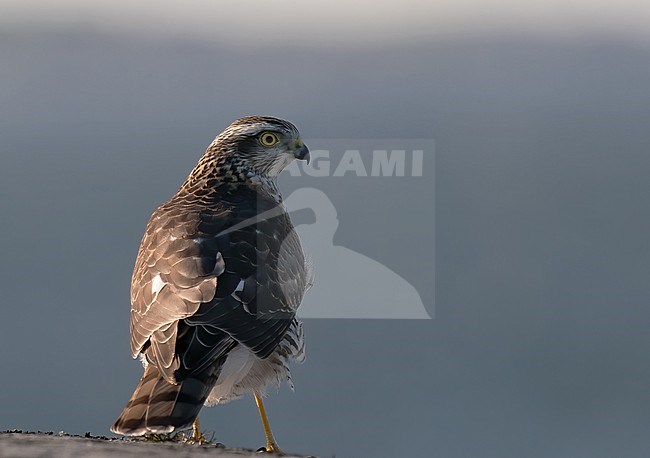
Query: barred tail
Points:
[160, 407]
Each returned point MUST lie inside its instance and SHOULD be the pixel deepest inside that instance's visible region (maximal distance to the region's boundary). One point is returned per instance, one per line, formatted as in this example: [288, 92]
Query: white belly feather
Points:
[243, 372]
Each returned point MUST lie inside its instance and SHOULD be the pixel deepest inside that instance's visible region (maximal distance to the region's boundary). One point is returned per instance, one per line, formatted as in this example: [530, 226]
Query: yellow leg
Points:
[197, 436]
[271, 445]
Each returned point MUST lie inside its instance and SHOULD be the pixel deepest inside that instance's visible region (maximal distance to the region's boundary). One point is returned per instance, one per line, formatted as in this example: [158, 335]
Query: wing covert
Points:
[197, 286]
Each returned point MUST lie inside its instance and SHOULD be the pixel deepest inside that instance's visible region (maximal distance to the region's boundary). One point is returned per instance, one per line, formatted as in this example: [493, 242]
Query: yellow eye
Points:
[268, 139]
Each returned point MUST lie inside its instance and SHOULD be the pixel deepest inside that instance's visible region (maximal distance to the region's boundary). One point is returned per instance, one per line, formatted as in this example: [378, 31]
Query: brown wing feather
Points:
[192, 271]
[173, 275]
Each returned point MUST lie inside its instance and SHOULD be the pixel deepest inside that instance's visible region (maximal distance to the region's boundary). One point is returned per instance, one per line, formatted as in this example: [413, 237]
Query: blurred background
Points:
[539, 112]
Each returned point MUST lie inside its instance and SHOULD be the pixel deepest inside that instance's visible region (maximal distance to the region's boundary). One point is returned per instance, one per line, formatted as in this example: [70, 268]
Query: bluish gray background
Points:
[539, 346]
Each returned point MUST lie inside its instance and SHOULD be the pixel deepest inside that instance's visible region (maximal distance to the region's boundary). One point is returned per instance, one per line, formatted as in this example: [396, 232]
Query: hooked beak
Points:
[301, 151]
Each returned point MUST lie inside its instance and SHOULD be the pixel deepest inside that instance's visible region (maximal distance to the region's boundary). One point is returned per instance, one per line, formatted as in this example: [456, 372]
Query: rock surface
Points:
[19, 444]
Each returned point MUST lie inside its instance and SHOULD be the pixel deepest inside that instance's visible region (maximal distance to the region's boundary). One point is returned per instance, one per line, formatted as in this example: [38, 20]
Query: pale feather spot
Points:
[157, 284]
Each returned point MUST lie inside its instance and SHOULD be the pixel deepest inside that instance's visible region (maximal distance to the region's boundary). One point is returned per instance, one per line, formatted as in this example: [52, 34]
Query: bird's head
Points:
[263, 144]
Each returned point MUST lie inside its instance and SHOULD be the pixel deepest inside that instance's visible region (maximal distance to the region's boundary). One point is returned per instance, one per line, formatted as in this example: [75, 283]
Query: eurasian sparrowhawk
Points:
[216, 284]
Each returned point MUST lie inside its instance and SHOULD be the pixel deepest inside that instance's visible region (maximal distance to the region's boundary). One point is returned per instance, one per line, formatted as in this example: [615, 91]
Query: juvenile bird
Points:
[216, 284]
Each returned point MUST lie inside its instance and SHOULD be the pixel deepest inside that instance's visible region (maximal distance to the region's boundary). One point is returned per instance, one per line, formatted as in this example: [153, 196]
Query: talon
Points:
[274, 448]
[271, 448]
[155, 437]
[197, 435]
